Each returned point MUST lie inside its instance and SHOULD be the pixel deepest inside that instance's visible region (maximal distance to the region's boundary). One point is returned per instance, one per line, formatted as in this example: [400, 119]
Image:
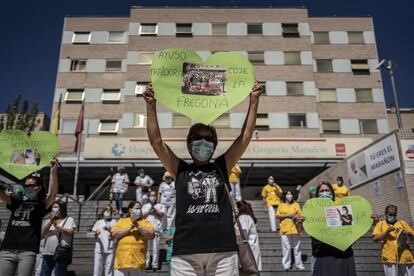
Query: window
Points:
[327, 95]
[290, 30]
[140, 87]
[113, 65]
[222, 122]
[324, 66]
[256, 57]
[292, 58]
[116, 37]
[262, 121]
[81, 37]
[297, 120]
[183, 29]
[263, 85]
[145, 57]
[108, 126]
[368, 126]
[181, 121]
[321, 37]
[255, 28]
[331, 126]
[363, 95]
[68, 126]
[360, 67]
[356, 37]
[140, 120]
[294, 88]
[78, 65]
[74, 96]
[111, 96]
[218, 28]
[148, 29]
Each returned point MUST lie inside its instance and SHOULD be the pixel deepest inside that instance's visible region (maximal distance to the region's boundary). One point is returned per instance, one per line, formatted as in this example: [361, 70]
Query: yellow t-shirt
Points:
[340, 192]
[287, 226]
[269, 192]
[131, 249]
[389, 243]
[234, 176]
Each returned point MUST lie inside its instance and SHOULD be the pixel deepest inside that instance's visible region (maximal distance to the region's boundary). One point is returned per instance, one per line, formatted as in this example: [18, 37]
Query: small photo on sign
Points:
[339, 216]
[203, 80]
[26, 157]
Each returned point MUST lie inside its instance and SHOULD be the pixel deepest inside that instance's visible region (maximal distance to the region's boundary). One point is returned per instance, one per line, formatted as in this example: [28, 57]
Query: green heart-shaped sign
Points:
[21, 155]
[338, 225]
[201, 90]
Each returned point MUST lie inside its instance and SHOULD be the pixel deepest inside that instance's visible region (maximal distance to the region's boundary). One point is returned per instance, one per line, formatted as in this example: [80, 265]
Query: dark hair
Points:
[41, 195]
[346, 208]
[340, 178]
[132, 203]
[246, 209]
[197, 127]
[329, 186]
[63, 209]
[391, 207]
[284, 196]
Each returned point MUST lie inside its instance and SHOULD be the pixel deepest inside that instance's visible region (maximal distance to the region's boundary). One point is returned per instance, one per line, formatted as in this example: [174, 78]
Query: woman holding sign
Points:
[204, 241]
[326, 259]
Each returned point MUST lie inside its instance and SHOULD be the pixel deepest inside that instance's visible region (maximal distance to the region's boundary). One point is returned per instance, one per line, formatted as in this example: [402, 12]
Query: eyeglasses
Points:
[200, 137]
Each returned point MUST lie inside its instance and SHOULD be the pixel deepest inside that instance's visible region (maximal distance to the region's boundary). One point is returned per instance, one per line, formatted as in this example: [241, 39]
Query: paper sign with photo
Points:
[340, 215]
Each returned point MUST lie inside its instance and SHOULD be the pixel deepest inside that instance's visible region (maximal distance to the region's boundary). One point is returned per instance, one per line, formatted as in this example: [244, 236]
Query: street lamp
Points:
[389, 65]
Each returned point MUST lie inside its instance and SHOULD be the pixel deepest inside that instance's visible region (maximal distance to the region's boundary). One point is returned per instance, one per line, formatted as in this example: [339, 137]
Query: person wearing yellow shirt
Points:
[396, 254]
[234, 179]
[290, 217]
[271, 194]
[132, 234]
[340, 189]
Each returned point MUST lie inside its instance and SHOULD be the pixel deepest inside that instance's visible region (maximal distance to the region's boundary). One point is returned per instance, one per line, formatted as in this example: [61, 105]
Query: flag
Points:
[56, 118]
[79, 127]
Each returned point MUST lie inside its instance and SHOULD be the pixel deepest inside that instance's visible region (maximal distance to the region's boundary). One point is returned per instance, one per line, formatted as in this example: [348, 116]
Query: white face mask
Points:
[107, 215]
[137, 213]
[55, 210]
[270, 181]
[289, 197]
[202, 150]
[153, 199]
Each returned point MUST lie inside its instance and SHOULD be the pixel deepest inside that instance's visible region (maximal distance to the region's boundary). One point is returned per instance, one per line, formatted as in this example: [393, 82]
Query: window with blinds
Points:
[116, 37]
[181, 121]
[324, 66]
[369, 126]
[290, 30]
[363, 95]
[360, 67]
[74, 95]
[78, 65]
[256, 57]
[183, 29]
[113, 65]
[321, 37]
[292, 58]
[148, 29]
[262, 121]
[294, 88]
[219, 28]
[145, 57]
[331, 126]
[108, 127]
[223, 121]
[140, 87]
[356, 37]
[254, 28]
[296, 120]
[81, 37]
[111, 96]
[327, 95]
[140, 120]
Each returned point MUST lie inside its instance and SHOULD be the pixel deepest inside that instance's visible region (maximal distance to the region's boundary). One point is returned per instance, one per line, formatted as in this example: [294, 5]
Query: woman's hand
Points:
[149, 94]
[256, 90]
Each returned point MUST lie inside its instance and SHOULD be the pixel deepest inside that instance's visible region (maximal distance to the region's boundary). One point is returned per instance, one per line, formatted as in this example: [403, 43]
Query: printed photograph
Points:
[203, 80]
[27, 157]
[339, 216]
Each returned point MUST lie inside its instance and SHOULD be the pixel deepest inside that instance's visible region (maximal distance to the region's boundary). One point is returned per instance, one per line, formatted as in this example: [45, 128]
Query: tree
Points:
[20, 117]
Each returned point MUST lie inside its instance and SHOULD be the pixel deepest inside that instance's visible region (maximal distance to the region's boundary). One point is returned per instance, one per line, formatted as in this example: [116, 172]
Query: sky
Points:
[31, 33]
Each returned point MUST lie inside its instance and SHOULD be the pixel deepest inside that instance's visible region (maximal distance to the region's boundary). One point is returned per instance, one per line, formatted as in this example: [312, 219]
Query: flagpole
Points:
[78, 145]
[75, 182]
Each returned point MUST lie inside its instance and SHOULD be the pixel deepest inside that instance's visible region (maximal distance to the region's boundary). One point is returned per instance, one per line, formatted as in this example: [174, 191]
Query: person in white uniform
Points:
[120, 182]
[104, 244]
[248, 222]
[154, 212]
[166, 196]
[143, 183]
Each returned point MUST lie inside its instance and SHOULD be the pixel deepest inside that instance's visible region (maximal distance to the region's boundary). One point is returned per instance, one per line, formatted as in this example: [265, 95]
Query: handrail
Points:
[99, 187]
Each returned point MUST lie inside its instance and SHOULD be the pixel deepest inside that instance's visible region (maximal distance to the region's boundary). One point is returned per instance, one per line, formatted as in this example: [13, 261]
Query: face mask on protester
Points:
[30, 193]
[271, 181]
[142, 175]
[167, 180]
[289, 197]
[107, 215]
[326, 194]
[391, 219]
[153, 199]
[56, 210]
[202, 150]
[137, 213]
[340, 182]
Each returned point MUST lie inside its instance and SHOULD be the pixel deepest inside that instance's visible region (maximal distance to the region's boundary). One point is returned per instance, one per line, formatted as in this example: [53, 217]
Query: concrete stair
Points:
[367, 253]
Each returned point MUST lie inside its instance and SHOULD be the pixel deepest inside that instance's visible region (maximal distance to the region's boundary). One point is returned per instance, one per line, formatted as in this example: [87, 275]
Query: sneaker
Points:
[301, 267]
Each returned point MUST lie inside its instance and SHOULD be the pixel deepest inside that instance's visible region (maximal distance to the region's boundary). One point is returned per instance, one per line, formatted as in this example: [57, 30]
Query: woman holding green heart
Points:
[204, 241]
[326, 259]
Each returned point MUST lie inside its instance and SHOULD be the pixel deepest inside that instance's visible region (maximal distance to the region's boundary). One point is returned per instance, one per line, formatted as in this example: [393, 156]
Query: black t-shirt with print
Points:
[204, 219]
[24, 228]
